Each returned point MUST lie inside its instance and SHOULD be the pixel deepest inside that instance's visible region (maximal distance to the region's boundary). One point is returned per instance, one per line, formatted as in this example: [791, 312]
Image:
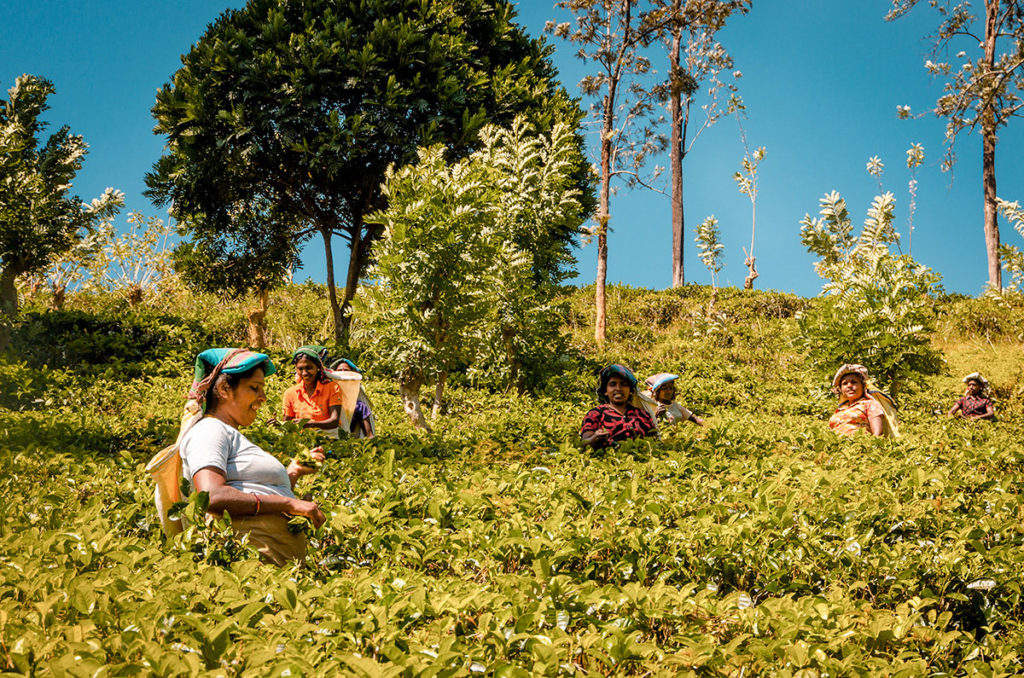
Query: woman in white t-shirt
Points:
[659, 399]
[242, 479]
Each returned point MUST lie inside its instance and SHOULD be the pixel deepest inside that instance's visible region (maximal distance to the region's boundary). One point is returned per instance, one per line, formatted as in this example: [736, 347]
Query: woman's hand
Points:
[307, 509]
[297, 470]
[597, 438]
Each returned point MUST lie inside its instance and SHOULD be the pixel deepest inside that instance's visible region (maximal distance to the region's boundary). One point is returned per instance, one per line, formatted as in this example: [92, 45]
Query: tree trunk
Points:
[135, 295]
[332, 292]
[257, 329]
[988, 154]
[752, 274]
[356, 261]
[675, 160]
[59, 296]
[409, 388]
[600, 323]
[515, 364]
[8, 292]
[442, 379]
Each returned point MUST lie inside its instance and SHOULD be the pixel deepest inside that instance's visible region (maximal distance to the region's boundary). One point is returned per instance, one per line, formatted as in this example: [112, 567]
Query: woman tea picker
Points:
[242, 479]
[619, 416]
[314, 397]
[976, 402]
[659, 400]
[860, 408]
[362, 423]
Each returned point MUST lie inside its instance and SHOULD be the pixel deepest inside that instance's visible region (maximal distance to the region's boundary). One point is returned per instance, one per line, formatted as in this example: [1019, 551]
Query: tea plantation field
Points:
[759, 545]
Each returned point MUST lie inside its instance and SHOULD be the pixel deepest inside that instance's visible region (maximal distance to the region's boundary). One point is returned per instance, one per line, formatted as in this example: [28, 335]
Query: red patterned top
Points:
[635, 423]
[974, 405]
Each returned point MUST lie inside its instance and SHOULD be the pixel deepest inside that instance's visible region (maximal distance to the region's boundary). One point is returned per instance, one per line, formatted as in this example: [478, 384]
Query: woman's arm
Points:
[875, 424]
[696, 420]
[223, 497]
[989, 412]
[367, 430]
[328, 423]
[956, 409]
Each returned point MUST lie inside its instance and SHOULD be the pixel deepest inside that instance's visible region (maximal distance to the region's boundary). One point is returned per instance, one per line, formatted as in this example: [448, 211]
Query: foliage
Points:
[137, 262]
[878, 309]
[39, 220]
[285, 116]
[760, 545]
[1010, 256]
[469, 265]
[532, 203]
[709, 248]
[69, 270]
[107, 344]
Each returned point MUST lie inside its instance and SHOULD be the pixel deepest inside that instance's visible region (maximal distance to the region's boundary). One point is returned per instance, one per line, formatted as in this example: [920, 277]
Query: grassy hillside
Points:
[760, 544]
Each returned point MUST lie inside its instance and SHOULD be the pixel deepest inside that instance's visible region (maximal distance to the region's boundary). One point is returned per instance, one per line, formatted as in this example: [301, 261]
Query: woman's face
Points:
[618, 390]
[851, 386]
[973, 387]
[306, 370]
[242, 403]
[667, 393]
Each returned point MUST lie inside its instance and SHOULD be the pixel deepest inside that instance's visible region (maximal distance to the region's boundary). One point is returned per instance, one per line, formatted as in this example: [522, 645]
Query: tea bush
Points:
[759, 545]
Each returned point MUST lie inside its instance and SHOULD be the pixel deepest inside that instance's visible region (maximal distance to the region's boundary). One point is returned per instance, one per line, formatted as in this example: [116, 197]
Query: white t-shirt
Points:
[211, 443]
[674, 412]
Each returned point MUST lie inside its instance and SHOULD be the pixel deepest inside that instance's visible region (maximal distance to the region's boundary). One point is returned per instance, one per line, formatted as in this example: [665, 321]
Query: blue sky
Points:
[821, 81]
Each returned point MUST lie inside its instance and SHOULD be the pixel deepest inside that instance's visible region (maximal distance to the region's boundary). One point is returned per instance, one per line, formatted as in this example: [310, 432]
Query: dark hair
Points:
[232, 380]
[321, 376]
[605, 377]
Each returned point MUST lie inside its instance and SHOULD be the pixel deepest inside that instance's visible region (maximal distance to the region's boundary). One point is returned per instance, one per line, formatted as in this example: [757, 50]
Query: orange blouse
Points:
[316, 407]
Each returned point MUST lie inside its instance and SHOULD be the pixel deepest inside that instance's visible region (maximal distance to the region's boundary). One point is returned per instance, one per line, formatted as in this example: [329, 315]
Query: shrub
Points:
[878, 308]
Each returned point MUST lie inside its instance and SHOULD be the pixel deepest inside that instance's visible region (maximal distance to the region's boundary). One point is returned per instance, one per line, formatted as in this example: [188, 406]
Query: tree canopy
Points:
[285, 116]
[39, 217]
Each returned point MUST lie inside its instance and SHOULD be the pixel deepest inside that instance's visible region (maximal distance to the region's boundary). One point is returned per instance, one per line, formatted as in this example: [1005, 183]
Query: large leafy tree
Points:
[286, 114]
[983, 92]
[469, 266]
[40, 219]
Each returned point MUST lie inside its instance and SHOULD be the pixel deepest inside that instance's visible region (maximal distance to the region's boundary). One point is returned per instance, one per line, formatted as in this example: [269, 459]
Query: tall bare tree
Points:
[696, 60]
[611, 35]
[983, 93]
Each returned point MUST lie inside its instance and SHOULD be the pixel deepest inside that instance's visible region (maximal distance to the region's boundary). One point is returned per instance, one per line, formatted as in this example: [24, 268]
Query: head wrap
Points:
[213, 361]
[656, 381]
[607, 373]
[850, 368]
[976, 376]
[351, 365]
[317, 354]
